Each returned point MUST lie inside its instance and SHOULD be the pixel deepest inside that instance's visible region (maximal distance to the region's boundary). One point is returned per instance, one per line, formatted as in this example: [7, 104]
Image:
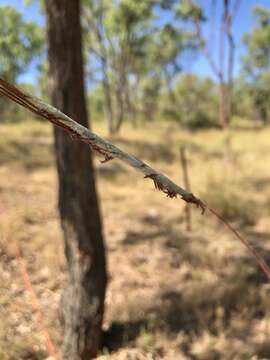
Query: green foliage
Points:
[167, 46]
[258, 41]
[138, 57]
[149, 96]
[189, 10]
[95, 102]
[197, 101]
[257, 63]
[242, 102]
[20, 41]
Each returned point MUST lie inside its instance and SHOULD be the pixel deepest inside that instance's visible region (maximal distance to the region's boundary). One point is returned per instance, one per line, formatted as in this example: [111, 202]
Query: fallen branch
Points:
[110, 151]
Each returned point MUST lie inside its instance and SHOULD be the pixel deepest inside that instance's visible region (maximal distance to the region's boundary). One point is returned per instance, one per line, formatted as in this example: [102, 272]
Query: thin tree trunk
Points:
[119, 90]
[109, 114]
[107, 96]
[131, 110]
[82, 304]
[223, 115]
[230, 73]
[171, 94]
[222, 85]
[225, 85]
[227, 89]
[231, 53]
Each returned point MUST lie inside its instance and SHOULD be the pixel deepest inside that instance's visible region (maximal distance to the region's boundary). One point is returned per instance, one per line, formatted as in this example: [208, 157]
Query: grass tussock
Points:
[231, 201]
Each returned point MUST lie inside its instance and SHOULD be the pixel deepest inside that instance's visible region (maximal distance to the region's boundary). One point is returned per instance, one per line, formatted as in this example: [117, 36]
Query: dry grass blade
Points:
[51, 347]
[110, 151]
[250, 248]
[101, 146]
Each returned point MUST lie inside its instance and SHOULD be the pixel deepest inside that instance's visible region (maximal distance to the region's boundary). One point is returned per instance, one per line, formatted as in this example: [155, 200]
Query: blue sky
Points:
[243, 23]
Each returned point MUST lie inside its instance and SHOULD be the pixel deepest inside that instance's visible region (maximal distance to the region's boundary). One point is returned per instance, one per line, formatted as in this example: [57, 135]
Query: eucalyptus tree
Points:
[20, 42]
[118, 33]
[256, 64]
[197, 100]
[136, 50]
[97, 44]
[82, 304]
[166, 54]
[220, 62]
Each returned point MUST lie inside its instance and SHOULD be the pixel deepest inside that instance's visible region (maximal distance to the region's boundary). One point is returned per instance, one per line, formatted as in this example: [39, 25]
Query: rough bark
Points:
[82, 304]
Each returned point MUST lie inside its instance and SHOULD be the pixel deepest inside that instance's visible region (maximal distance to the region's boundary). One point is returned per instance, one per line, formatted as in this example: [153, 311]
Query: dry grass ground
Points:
[172, 294]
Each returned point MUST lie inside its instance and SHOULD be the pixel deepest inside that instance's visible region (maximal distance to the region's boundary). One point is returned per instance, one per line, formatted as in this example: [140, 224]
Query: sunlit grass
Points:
[182, 295]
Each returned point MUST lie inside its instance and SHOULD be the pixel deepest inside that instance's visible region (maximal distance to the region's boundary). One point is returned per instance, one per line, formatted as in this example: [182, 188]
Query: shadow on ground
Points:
[30, 155]
[145, 150]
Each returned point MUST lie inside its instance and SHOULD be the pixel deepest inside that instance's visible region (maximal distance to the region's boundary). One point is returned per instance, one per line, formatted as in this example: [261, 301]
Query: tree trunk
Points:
[107, 96]
[119, 106]
[223, 113]
[171, 93]
[231, 55]
[130, 108]
[223, 120]
[82, 304]
[231, 51]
